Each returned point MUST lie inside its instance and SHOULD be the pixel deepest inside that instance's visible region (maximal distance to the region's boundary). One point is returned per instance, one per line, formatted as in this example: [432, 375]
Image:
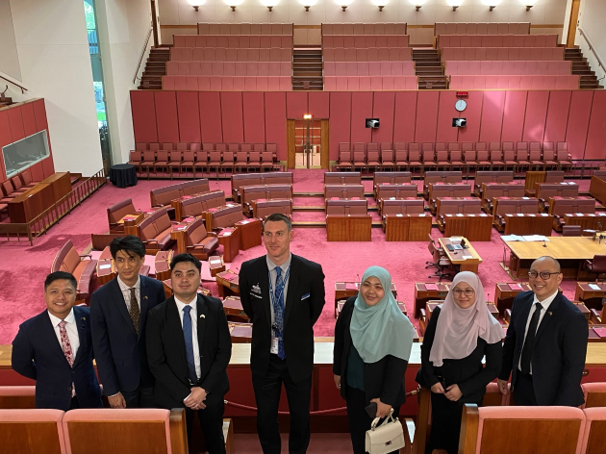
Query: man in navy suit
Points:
[55, 349]
[546, 342]
[118, 313]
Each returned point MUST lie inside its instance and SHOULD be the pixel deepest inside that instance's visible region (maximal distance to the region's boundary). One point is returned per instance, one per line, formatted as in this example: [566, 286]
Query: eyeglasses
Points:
[467, 292]
[545, 275]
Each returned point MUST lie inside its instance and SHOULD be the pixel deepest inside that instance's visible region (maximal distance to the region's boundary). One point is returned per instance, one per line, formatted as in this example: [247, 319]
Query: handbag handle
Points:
[375, 421]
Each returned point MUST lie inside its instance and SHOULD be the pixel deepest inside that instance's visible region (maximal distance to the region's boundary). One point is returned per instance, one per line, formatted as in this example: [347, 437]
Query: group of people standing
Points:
[169, 353]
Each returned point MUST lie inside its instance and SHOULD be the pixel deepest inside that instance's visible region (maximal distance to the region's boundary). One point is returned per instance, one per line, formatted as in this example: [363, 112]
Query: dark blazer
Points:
[120, 353]
[304, 303]
[383, 379]
[468, 373]
[37, 354]
[559, 353]
[166, 351]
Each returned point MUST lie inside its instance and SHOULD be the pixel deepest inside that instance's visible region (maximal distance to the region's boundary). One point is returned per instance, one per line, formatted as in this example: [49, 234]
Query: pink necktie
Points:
[65, 344]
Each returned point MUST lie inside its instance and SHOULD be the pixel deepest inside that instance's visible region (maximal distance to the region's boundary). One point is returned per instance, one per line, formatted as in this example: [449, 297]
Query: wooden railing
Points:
[23, 89]
[49, 217]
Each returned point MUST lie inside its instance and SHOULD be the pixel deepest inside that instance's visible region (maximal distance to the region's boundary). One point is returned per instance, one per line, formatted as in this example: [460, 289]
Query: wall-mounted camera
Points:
[372, 122]
[459, 122]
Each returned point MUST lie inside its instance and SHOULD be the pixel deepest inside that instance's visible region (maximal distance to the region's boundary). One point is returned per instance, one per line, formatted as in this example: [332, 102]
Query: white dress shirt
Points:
[193, 314]
[70, 327]
[545, 303]
[273, 276]
[126, 292]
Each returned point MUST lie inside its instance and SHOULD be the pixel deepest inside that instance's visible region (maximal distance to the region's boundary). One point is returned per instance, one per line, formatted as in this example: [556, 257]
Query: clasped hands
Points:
[452, 393]
[196, 399]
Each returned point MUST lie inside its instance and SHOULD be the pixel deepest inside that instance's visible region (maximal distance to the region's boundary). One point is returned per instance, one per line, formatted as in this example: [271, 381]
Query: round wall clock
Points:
[461, 105]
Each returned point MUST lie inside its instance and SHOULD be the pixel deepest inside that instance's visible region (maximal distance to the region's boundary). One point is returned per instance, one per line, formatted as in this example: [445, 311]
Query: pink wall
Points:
[20, 121]
[578, 117]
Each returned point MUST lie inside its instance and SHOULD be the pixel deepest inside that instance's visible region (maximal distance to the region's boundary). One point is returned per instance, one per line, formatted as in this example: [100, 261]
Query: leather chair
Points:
[596, 265]
[572, 230]
[200, 243]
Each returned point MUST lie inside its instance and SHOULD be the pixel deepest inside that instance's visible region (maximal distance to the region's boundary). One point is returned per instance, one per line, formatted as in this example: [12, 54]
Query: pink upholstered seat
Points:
[32, 431]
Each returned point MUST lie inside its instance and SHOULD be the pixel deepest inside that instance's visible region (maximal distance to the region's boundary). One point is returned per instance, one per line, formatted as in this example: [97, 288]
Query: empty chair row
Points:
[497, 41]
[509, 68]
[387, 28]
[502, 53]
[351, 41]
[235, 42]
[482, 28]
[244, 29]
[211, 54]
[206, 146]
[527, 82]
[357, 83]
[452, 146]
[364, 68]
[226, 83]
[229, 68]
[368, 54]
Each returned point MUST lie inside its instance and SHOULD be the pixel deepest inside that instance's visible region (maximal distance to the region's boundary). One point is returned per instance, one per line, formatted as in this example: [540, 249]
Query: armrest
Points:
[596, 317]
[541, 200]
[90, 257]
[422, 311]
[507, 315]
[152, 241]
[556, 216]
[211, 234]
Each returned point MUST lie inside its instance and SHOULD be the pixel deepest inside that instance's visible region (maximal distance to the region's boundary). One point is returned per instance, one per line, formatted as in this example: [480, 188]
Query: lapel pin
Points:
[202, 316]
[145, 297]
[549, 312]
[83, 318]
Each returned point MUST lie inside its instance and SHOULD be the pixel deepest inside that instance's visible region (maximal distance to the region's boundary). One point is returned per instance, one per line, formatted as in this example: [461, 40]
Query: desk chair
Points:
[596, 265]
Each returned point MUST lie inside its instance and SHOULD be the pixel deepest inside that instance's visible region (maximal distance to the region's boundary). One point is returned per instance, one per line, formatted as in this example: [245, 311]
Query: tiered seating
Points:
[344, 191]
[263, 192]
[491, 191]
[482, 28]
[196, 205]
[374, 83]
[160, 197]
[442, 177]
[82, 267]
[538, 82]
[180, 53]
[155, 230]
[508, 68]
[344, 207]
[374, 68]
[347, 220]
[502, 53]
[343, 178]
[546, 190]
[258, 179]
[386, 191]
[520, 216]
[263, 208]
[227, 83]
[116, 212]
[221, 68]
[389, 178]
[359, 29]
[447, 190]
[496, 40]
[490, 176]
[244, 29]
[565, 210]
[199, 242]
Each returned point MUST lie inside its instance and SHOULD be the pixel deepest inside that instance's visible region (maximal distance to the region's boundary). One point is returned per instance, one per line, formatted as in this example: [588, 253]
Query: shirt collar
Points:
[271, 265]
[125, 287]
[181, 304]
[71, 318]
[547, 301]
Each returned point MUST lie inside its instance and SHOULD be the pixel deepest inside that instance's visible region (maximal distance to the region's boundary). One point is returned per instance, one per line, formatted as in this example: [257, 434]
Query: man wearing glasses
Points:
[546, 342]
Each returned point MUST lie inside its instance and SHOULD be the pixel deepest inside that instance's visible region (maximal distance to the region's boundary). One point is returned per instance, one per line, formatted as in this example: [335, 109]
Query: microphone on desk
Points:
[544, 243]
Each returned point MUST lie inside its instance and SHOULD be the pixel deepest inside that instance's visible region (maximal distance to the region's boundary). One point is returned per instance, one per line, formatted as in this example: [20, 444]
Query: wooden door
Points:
[572, 26]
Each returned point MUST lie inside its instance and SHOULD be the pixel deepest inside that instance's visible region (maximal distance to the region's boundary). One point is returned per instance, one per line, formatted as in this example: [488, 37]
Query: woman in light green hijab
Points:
[373, 340]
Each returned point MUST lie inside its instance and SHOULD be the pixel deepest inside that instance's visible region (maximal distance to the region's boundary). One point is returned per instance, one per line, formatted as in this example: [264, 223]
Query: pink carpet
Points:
[23, 267]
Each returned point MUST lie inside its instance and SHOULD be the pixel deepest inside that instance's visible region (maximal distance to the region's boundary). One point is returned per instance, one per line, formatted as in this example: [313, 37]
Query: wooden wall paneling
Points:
[210, 116]
[596, 135]
[513, 116]
[427, 116]
[492, 116]
[383, 108]
[275, 121]
[405, 116]
[536, 114]
[340, 121]
[578, 122]
[361, 109]
[557, 116]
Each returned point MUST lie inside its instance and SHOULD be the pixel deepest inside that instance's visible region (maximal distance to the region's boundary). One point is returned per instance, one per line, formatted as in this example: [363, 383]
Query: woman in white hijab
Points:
[459, 334]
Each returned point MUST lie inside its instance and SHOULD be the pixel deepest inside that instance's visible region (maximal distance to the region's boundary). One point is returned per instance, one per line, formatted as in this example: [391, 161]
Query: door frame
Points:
[324, 143]
[572, 25]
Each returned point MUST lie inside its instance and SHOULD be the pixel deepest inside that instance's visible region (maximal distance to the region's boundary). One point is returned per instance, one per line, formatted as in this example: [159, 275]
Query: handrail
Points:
[591, 46]
[23, 89]
[142, 54]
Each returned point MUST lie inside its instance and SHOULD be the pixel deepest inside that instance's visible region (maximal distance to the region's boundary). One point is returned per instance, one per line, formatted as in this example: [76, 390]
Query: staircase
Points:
[428, 68]
[307, 69]
[580, 66]
[155, 68]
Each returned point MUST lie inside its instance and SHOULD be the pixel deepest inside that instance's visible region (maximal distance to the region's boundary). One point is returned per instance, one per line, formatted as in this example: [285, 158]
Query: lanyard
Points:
[278, 329]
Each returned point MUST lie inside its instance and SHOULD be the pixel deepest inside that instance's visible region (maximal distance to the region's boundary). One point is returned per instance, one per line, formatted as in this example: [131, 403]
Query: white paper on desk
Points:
[106, 265]
[455, 239]
[594, 287]
[535, 238]
[512, 238]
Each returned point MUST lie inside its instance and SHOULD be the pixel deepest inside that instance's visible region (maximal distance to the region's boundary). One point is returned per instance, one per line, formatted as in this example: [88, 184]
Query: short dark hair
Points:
[59, 275]
[553, 260]
[185, 258]
[128, 243]
[276, 217]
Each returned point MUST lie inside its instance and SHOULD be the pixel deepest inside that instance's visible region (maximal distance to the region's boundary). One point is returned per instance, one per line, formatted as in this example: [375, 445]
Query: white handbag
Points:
[387, 437]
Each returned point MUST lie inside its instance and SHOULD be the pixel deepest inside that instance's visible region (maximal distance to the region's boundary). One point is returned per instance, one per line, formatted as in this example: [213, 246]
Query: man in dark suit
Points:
[55, 349]
[283, 294]
[546, 342]
[189, 348]
[118, 313]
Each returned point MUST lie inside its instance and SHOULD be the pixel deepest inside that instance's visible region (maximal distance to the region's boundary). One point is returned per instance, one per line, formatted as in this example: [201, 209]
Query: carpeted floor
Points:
[23, 267]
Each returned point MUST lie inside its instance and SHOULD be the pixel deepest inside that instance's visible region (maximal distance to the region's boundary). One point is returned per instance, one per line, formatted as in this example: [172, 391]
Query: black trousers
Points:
[523, 390]
[211, 422]
[446, 418]
[359, 420]
[139, 398]
[267, 395]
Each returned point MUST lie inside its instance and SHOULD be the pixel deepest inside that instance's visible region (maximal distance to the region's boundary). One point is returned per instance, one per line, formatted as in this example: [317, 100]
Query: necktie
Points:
[278, 303]
[134, 309]
[529, 341]
[189, 346]
[65, 344]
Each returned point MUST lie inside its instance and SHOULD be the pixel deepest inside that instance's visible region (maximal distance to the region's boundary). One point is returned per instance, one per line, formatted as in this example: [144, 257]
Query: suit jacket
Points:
[304, 303]
[120, 353]
[559, 353]
[166, 350]
[37, 354]
[383, 379]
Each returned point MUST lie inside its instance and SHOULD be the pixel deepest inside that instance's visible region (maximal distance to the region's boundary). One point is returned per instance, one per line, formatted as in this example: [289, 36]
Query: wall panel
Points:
[189, 116]
[446, 112]
[405, 118]
[296, 105]
[596, 135]
[38, 171]
[557, 116]
[536, 113]
[231, 117]
[40, 114]
[383, 109]
[427, 116]
[578, 122]
[275, 121]
[210, 116]
[48, 168]
[15, 120]
[5, 139]
[513, 116]
[29, 119]
[319, 104]
[361, 109]
[144, 116]
[492, 116]
[473, 113]
[166, 116]
[254, 117]
[340, 121]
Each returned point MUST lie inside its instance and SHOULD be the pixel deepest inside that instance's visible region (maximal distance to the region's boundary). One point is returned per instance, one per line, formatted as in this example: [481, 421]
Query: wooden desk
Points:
[228, 283]
[466, 259]
[233, 309]
[587, 221]
[504, 294]
[344, 290]
[250, 233]
[407, 227]
[241, 333]
[230, 239]
[570, 251]
[597, 189]
[349, 228]
[428, 291]
[593, 299]
[162, 262]
[216, 264]
[34, 201]
[179, 234]
[476, 227]
[105, 267]
[528, 224]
